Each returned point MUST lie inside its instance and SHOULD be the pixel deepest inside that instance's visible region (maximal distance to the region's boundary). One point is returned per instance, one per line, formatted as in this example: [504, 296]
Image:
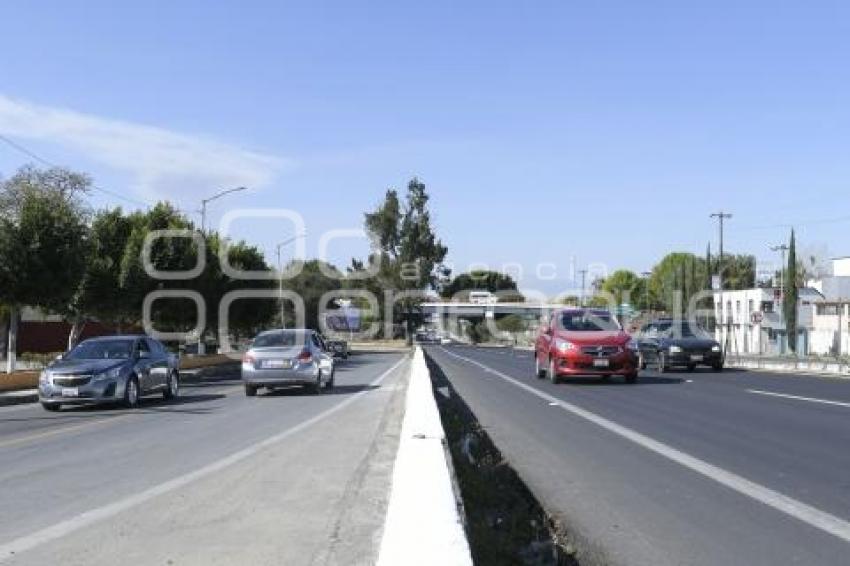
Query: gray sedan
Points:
[280, 358]
[109, 369]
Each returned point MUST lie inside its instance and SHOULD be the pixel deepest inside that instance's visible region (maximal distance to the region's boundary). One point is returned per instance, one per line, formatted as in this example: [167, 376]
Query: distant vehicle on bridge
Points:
[483, 298]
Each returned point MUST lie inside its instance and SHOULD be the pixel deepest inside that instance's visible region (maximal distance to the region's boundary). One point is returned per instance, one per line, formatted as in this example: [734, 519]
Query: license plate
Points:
[600, 363]
[70, 392]
[696, 358]
[277, 364]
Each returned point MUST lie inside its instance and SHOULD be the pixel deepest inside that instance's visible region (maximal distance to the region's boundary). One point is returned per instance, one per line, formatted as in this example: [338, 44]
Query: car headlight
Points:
[43, 378]
[563, 346]
[113, 373]
[675, 349]
[715, 348]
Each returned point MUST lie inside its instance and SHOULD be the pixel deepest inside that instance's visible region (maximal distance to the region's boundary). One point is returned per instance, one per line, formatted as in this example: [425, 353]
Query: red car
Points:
[585, 342]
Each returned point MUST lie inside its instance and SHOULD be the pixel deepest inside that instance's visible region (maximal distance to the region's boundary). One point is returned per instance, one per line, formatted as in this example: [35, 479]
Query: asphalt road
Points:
[685, 468]
[212, 478]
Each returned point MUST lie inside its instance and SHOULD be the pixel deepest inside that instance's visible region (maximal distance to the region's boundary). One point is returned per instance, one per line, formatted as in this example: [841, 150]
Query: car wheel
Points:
[553, 375]
[632, 377]
[641, 361]
[131, 393]
[717, 367]
[692, 367]
[539, 372]
[250, 390]
[172, 390]
[662, 362]
[330, 384]
[317, 387]
[51, 406]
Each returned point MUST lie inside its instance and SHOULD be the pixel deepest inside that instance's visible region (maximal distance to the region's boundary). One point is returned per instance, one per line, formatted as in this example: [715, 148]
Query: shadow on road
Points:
[298, 391]
[620, 382]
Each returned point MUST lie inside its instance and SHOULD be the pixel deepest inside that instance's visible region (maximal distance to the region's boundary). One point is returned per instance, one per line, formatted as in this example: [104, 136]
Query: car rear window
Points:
[279, 340]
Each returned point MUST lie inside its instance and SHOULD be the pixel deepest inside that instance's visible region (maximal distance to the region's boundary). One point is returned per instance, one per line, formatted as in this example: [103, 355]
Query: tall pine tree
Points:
[789, 305]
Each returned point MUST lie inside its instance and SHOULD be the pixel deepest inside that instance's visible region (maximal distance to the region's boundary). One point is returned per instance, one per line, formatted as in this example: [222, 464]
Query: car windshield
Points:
[589, 321]
[686, 330]
[102, 350]
[278, 340]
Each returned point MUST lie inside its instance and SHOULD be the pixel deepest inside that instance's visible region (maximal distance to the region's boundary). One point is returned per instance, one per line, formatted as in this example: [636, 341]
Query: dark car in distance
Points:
[668, 343]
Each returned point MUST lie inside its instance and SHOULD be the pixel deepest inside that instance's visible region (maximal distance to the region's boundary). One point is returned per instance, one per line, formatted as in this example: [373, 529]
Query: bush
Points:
[39, 359]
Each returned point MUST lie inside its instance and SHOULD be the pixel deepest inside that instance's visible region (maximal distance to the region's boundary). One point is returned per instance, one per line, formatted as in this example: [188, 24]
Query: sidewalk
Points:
[813, 366]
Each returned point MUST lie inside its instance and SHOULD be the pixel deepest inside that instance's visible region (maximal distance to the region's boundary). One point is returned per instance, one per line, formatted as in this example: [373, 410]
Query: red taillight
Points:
[305, 357]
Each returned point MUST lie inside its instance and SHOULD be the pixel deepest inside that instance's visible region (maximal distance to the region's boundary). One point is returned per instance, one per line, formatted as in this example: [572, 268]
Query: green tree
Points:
[99, 294]
[675, 279]
[624, 285]
[483, 280]
[42, 255]
[739, 272]
[512, 324]
[789, 304]
[166, 254]
[311, 284]
[409, 252]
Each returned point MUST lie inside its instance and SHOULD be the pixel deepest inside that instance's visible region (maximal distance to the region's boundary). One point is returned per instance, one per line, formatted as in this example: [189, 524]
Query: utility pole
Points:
[781, 248]
[583, 273]
[721, 216]
[212, 198]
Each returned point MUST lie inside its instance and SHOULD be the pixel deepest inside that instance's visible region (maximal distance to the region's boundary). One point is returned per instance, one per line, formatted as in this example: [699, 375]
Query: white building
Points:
[831, 315]
[750, 321]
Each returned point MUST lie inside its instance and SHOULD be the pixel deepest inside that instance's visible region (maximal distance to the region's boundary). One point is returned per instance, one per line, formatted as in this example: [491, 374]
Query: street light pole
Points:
[781, 248]
[721, 216]
[212, 198]
[201, 346]
[280, 275]
[583, 281]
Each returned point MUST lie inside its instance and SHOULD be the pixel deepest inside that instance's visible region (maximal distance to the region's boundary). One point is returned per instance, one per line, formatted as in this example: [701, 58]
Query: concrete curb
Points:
[820, 368]
[423, 524]
[18, 397]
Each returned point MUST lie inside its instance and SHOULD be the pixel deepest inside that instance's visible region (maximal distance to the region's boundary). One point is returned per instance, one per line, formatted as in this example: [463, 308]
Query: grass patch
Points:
[505, 523]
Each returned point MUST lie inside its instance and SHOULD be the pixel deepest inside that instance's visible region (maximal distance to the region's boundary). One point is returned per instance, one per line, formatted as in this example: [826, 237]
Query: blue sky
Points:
[559, 132]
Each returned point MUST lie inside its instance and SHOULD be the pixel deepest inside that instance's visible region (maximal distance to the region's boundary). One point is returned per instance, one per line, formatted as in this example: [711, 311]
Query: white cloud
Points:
[162, 163]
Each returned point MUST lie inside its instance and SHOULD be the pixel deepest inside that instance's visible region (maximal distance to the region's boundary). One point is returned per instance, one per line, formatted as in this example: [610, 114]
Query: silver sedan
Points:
[109, 369]
[281, 358]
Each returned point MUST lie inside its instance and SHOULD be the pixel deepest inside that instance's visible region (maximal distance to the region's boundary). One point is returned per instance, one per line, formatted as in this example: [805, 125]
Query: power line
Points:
[28, 152]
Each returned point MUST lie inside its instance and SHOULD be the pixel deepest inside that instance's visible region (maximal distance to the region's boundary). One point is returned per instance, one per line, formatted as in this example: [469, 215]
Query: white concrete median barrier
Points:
[423, 524]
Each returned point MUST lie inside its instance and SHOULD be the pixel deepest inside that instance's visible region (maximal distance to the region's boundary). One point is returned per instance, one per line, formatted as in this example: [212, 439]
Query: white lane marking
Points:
[797, 509]
[17, 546]
[798, 398]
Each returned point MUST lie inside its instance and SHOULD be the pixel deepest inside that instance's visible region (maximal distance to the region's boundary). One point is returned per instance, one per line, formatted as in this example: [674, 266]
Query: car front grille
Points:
[600, 351]
[71, 380]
